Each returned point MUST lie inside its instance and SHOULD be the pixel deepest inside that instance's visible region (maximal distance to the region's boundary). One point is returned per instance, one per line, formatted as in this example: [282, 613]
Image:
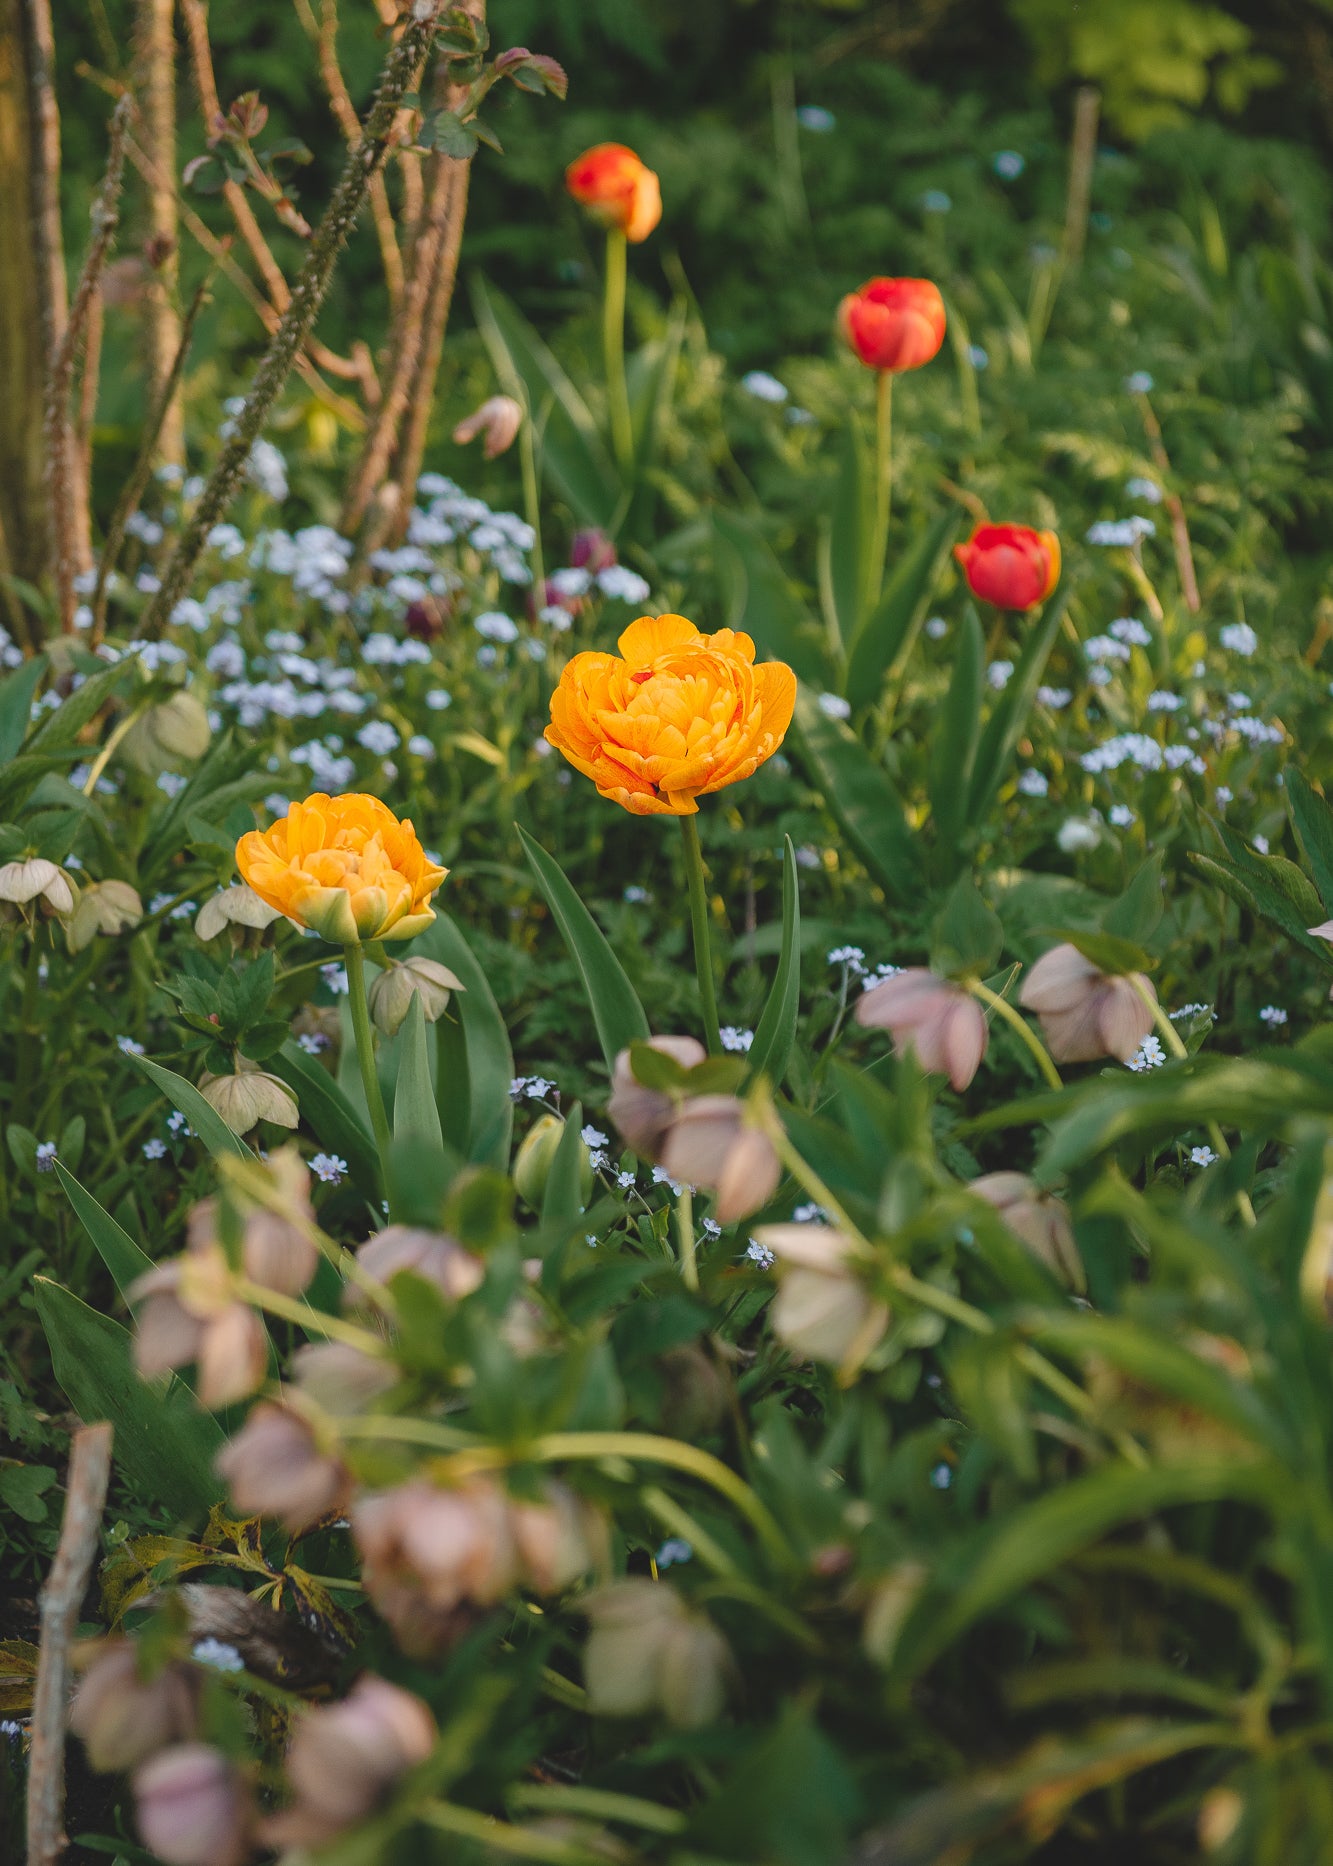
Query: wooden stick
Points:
[85, 1499]
[1082, 156]
[416, 424]
[64, 461]
[400, 73]
[155, 88]
[324, 34]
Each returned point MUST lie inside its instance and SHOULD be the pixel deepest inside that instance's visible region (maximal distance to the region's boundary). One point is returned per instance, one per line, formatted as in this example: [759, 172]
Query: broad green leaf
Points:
[474, 1063]
[1138, 912]
[957, 732]
[859, 795]
[1312, 819]
[207, 1123]
[571, 452]
[117, 1249]
[562, 1196]
[331, 1117]
[1005, 726]
[760, 599]
[967, 936]
[1105, 950]
[16, 705]
[165, 1442]
[881, 650]
[416, 1119]
[1268, 885]
[616, 1011]
[1028, 1542]
[776, 1030]
[846, 537]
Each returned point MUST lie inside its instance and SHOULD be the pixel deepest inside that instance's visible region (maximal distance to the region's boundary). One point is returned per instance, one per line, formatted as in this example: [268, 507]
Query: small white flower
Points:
[1075, 833]
[1146, 489]
[128, 1047]
[763, 387]
[379, 737]
[937, 628]
[1121, 816]
[45, 1157]
[335, 977]
[570, 581]
[438, 699]
[625, 1180]
[1125, 532]
[1130, 629]
[1202, 1156]
[1223, 793]
[808, 1214]
[329, 1168]
[624, 585]
[496, 626]
[1261, 844]
[998, 675]
[1008, 164]
[634, 896]
[760, 1254]
[593, 1137]
[1271, 1014]
[734, 1038]
[1032, 783]
[217, 1654]
[833, 706]
[815, 118]
[1149, 1055]
[1056, 698]
[1140, 383]
[177, 1123]
[852, 956]
[1239, 638]
[154, 1149]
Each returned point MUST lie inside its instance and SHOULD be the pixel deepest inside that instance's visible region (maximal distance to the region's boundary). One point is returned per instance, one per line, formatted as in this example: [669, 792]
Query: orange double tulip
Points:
[676, 714]
[344, 866]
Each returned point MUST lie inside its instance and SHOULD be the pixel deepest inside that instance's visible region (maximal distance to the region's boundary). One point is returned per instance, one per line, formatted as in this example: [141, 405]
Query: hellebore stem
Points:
[1175, 1043]
[613, 348]
[314, 1321]
[365, 1051]
[1021, 1028]
[883, 483]
[703, 955]
[689, 1263]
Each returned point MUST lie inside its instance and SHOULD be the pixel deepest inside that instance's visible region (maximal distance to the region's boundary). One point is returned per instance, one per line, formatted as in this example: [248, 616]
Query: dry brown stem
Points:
[1082, 156]
[155, 90]
[64, 457]
[85, 1499]
[1180, 531]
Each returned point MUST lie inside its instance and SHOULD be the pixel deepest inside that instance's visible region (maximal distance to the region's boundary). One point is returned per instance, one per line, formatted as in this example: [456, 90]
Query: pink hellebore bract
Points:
[1086, 1013]
[942, 1022]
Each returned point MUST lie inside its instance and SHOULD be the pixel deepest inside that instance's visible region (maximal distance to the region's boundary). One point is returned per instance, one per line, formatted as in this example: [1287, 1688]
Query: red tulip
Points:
[893, 324]
[619, 189]
[1011, 566]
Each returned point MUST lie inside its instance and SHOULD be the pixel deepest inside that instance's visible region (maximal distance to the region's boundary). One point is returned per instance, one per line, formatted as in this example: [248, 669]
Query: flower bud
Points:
[591, 550]
[558, 1539]
[937, 1019]
[1086, 1013]
[648, 1651]
[392, 991]
[250, 1096]
[643, 1115]
[455, 1272]
[105, 907]
[237, 906]
[172, 733]
[1037, 1220]
[536, 1156]
[344, 1759]
[193, 1808]
[123, 1716]
[822, 1310]
[35, 879]
[498, 419]
[274, 1468]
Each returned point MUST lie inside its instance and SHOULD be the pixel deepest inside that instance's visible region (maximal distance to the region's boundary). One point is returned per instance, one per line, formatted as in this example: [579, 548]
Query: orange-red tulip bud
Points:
[1011, 566]
[893, 324]
[616, 188]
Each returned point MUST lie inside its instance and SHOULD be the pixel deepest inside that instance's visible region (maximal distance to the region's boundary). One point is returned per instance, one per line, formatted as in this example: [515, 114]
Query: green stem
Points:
[703, 957]
[601, 1804]
[883, 483]
[1021, 1028]
[613, 348]
[1175, 1043]
[527, 453]
[365, 1052]
[499, 1837]
[689, 1262]
[314, 1321]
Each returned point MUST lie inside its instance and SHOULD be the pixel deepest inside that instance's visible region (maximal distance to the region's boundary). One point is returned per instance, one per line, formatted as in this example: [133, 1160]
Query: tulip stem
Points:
[1175, 1043]
[527, 454]
[365, 1052]
[1021, 1028]
[703, 955]
[883, 483]
[613, 348]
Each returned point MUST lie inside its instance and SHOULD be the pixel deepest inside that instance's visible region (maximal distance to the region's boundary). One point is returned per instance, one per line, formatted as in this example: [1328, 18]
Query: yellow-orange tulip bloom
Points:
[679, 715]
[617, 188]
[344, 866]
